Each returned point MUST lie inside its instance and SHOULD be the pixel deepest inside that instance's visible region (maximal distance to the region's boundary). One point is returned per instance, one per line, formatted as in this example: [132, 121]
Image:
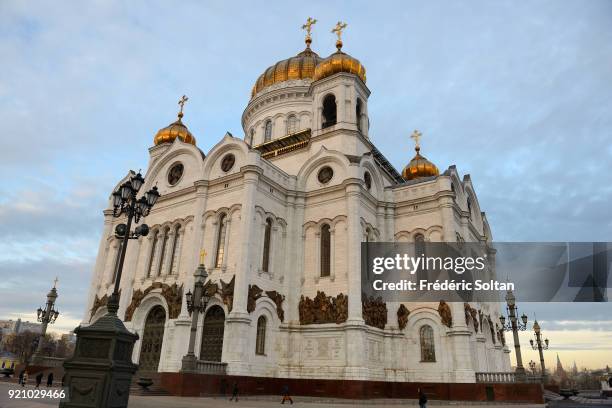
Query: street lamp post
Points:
[100, 372]
[196, 303]
[515, 325]
[46, 316]
[540, 347]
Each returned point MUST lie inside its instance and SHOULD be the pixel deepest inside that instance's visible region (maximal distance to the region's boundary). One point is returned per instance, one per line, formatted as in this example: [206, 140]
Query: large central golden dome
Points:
[302, 66]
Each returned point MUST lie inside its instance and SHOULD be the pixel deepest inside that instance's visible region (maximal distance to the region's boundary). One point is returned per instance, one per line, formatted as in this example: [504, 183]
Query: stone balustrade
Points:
[211, 367]
[496, 377]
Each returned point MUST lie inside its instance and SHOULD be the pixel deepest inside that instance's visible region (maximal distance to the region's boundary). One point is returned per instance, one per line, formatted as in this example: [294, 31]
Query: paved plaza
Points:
[137, 401]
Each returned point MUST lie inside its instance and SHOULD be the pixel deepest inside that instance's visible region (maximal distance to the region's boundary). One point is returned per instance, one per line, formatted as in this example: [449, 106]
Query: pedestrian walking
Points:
[21, 377]
[422, 399]
[25, 379]
[39, 379]
[286, 396]
[50, 380]
[235, 392]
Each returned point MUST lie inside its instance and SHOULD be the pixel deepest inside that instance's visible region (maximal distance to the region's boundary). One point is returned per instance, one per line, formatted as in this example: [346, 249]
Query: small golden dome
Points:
[174, 130]
[419, 166]
[302, 66]
[339, 62]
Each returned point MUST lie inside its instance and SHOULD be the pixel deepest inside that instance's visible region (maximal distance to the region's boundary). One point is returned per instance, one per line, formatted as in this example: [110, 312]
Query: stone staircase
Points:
[153, 390]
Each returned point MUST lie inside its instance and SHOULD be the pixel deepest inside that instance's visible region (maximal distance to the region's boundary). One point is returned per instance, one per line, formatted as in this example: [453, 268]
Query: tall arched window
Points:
[419, 249]
[162, 253]
[152, 255]
[175, 253]
[428, 348]
[221, 241]
[325, 250]
[266, 247]
[329, 111]
[268, 131]
[292, 124]
[260, 341]
[358, 109]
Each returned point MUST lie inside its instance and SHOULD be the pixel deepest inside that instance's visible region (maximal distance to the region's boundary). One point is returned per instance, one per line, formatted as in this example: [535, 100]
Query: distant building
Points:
[18, 326]
[69, 337]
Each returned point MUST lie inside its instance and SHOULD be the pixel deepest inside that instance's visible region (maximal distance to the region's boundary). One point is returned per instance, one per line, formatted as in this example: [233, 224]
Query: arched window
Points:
[358, 109]
[152, 255]
[268, 131]
[266, 247]
[325, 250]
[162, 252]
[292, 124]
[260, 341]
[175, 254]
[221, 241]
[428, 348]
[329, 111]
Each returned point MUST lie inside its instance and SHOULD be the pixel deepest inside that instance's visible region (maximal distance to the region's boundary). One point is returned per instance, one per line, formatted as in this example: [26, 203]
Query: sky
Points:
[516, 94]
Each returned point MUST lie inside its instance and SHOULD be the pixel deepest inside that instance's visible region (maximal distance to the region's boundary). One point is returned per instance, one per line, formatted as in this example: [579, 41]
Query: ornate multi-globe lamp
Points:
[102, 360]
[46, 316]
[537, 345]
[514, 325]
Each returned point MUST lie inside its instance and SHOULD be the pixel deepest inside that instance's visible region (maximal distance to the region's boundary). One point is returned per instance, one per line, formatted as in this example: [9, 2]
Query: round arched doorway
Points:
[152, 339]
[212, 334]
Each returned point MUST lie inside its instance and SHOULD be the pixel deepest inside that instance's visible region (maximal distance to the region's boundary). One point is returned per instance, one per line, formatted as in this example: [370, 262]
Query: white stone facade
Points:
[285, 190]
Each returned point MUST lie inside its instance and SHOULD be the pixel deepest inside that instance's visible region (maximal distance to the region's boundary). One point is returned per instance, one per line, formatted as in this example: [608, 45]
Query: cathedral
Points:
[277, 217]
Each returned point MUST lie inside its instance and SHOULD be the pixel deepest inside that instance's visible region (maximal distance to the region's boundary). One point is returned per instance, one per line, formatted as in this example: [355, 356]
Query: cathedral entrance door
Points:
[212, 334]
[152, 339]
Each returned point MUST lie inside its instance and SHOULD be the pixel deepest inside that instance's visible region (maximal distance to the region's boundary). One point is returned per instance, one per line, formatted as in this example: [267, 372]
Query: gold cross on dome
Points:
[55, 281]
[308, 26]
[182, 101]
[338, 29]
[203, 254]
[416, 136]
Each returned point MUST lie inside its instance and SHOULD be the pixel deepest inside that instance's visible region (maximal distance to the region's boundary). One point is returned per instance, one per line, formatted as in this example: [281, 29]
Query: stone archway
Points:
[212, 334]
[152, 338]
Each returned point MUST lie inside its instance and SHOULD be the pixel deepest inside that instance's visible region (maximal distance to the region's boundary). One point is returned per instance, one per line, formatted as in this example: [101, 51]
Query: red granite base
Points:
[182, 384]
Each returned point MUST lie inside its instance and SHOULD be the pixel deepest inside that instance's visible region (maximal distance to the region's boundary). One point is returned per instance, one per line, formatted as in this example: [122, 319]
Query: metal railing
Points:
[495, 377]
[211, 367]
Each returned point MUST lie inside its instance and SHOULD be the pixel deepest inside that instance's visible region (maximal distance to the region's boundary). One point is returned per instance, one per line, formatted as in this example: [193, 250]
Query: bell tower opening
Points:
[358, 110]
[329, 111]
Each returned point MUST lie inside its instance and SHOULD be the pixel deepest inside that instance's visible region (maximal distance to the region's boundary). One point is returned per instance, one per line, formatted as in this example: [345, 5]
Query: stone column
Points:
[448, 219]
[355, 328]
[460, 336]
[238, 321]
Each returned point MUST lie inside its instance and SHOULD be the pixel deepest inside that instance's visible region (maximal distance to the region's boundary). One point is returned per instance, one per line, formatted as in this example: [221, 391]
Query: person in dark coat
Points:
[235, 392]
[21, 377]
[50, 380]
[422, 399]
[286, 396]
[25, 379]
[39, 379]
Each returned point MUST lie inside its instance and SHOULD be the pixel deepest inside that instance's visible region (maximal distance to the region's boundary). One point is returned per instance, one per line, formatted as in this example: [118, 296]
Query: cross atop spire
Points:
[203, 254]
[338, 31]
[308, 27]
[181, 103]
[55, 282]
[416, 136]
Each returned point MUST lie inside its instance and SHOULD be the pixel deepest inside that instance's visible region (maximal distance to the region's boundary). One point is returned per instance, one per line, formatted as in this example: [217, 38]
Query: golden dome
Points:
[419, 166]
[302, 66]
[339, 62]
[174, 130]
